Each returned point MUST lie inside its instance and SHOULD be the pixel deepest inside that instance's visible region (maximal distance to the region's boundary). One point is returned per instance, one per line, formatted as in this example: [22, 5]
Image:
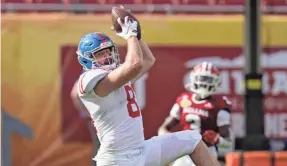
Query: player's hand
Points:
[129, 28]
[211, 137]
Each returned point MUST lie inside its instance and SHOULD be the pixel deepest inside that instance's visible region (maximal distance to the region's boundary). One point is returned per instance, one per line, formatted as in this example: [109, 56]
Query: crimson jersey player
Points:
[199, 110]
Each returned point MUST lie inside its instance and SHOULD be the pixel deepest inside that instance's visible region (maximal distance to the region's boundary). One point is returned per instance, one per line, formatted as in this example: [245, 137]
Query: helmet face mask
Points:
[106, 58]
[90, 48]
[204, 82]
[204, 85]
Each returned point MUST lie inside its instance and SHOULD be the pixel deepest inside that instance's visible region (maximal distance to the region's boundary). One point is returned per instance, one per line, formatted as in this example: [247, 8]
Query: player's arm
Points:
[132, 66]
[148, 60]
[223, 137]
[223, 123]
[171, 121]
[125, 72]
[77, 102]
[83, 111]
[225, 140]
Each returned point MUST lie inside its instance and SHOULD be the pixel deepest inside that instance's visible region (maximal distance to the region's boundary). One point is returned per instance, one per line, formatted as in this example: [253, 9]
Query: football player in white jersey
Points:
[105, 90]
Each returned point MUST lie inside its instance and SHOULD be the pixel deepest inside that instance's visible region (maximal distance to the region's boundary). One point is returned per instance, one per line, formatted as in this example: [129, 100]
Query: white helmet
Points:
[204, 79]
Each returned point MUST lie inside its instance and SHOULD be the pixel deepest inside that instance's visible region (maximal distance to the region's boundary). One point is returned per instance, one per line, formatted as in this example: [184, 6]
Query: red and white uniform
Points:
[119, 124]
[201, 115]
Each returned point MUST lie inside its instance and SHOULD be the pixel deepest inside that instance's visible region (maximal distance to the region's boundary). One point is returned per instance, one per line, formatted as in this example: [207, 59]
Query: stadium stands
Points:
[155, 6]
[177, 2]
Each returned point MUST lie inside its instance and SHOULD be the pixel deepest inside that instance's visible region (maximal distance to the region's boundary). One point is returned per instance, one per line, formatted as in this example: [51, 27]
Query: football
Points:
[120, 12]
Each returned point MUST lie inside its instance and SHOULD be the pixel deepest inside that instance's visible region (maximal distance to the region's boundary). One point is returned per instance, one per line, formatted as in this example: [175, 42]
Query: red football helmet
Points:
[204, 79]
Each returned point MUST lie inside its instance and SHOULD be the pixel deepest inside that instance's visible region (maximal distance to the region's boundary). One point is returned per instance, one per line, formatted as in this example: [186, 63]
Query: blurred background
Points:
[41, 126]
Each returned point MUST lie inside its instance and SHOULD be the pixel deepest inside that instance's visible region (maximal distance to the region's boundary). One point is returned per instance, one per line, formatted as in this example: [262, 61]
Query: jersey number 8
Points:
[132, 105]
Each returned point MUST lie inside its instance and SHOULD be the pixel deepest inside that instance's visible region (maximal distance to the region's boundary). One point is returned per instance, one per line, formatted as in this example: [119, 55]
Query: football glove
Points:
[129, 28]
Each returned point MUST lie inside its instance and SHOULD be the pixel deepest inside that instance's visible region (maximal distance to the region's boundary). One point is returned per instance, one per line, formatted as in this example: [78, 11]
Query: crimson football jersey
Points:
[199, 115]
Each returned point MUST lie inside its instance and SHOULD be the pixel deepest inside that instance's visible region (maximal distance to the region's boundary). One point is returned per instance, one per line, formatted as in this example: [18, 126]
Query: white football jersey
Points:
[116, 117]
